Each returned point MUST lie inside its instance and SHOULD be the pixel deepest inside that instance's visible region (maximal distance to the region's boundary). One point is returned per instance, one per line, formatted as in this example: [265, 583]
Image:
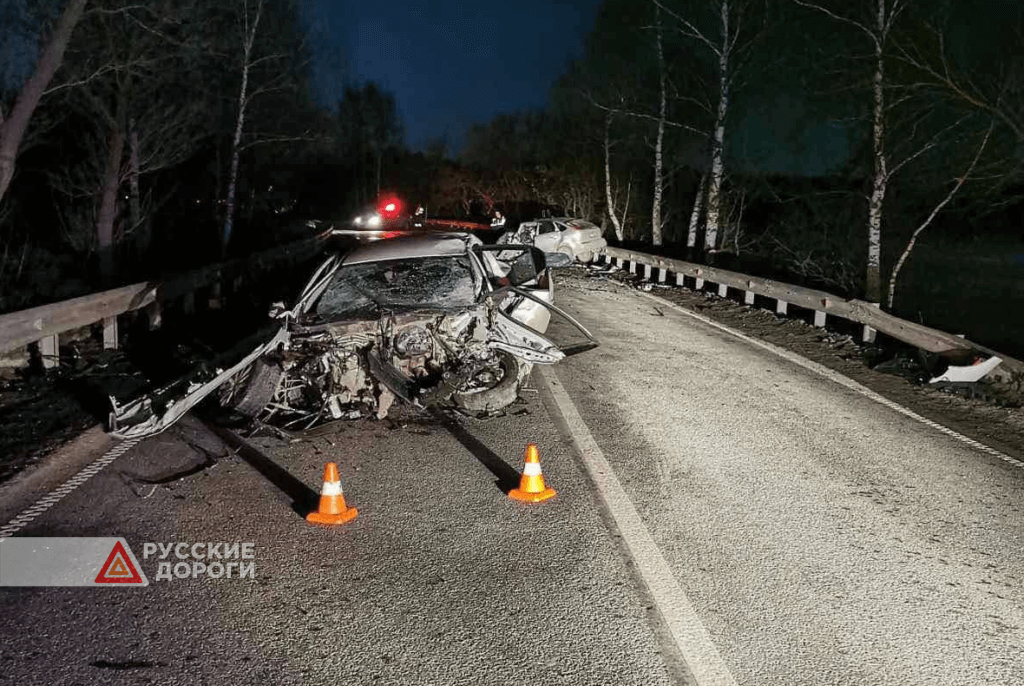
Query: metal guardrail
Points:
[820, 302]
[44, 324]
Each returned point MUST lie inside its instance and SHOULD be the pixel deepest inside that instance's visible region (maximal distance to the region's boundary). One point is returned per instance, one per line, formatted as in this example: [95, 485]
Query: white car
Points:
[433, 320]
[576, 238]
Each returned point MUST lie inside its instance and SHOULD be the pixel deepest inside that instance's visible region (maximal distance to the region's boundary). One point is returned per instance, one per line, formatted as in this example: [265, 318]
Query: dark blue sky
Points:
[449, 63]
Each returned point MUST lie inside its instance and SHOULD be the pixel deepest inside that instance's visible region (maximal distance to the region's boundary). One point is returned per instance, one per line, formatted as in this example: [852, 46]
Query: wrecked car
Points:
[577, 238]
[435, 320]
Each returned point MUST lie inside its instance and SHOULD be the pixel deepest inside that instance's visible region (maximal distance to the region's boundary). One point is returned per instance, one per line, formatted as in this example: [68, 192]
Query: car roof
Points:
[404, 247]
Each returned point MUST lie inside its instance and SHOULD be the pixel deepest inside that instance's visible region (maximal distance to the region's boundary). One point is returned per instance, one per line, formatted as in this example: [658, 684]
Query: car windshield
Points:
[431, 283]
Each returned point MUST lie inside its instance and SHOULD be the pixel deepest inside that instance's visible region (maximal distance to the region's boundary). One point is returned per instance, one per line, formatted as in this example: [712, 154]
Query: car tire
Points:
[492, 400]
[252, 389]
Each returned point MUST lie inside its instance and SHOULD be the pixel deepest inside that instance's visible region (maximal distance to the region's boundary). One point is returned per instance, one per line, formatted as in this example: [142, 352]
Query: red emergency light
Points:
[389, 207]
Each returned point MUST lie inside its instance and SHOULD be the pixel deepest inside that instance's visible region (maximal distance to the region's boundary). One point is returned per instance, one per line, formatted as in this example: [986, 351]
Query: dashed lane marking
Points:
[681, 621]
[56, 495]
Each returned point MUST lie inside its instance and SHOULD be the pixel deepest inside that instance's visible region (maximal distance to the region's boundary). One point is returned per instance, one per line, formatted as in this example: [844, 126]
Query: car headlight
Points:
[374, 221]
[358, 221]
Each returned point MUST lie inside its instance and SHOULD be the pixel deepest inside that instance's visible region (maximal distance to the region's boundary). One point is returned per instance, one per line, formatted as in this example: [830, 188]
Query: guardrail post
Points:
[781, 307]
[748, 297]
[618, 263]
[698, 284]
[647, 272]
[679, 280]
[632, 266]
[662, 273]
[49, 351]
[723, 290]
[868, 334]
[110, 333]
[819, 318]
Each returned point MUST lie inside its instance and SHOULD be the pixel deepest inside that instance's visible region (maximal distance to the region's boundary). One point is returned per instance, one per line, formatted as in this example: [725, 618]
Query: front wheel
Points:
[249, 391]
[493, 388]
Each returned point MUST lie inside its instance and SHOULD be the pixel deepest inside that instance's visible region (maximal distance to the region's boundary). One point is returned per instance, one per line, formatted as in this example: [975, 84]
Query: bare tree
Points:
[12, 128]
[659, 182]
[877, 27]
[249, 26]
[959, 181]
[618, 222]
[695, 214]
[139, 113]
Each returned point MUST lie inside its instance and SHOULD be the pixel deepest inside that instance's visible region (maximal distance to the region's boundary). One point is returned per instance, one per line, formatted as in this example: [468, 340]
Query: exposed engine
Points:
[359, 368]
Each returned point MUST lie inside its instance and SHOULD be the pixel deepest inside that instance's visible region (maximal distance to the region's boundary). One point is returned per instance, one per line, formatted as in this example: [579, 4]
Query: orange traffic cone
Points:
[332, 508]
[531, 485]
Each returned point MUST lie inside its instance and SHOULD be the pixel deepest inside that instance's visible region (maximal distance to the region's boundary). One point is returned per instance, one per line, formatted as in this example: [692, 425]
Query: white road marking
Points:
[692, 639]
[53, 497]
[838, 378]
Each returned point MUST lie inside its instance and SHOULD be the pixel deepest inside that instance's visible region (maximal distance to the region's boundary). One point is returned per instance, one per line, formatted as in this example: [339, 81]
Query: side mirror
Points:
[557, 260]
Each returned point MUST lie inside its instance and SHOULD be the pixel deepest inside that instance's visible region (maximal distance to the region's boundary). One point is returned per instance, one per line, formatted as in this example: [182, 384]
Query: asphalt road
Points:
[724, 516]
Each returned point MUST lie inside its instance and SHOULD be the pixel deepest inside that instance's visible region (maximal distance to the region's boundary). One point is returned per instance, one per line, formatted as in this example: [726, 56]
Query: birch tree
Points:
[618, 221]
[876, 24]
[14, 124]
[249, 24]
[957, 183]
[727, 32]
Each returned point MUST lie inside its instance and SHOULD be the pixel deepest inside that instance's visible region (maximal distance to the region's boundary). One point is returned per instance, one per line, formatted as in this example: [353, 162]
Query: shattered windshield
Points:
[398, 285]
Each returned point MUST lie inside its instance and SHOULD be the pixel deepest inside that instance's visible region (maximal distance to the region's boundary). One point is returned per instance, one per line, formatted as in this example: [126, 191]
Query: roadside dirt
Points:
[993, 416]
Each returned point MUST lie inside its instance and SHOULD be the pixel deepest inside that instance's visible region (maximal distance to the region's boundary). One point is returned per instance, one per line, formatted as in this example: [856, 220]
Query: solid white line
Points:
[694, 643]
[838, 378]
[53, 497]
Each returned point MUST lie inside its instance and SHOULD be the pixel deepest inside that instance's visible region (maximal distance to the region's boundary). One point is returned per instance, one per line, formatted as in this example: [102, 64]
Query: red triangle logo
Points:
[118, 569]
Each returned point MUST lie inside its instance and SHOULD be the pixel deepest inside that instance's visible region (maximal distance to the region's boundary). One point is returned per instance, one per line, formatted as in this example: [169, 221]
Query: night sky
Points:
[450, 64]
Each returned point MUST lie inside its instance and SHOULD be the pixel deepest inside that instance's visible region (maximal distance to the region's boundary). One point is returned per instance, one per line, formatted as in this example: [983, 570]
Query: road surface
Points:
[724, 515]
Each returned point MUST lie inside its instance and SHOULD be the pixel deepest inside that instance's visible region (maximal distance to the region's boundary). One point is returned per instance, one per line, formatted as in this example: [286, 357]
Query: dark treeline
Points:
[158, 135]
[809, 138]
[812, 139]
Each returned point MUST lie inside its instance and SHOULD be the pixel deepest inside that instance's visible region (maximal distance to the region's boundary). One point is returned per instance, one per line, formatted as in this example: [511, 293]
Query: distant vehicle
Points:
[434, 320]
[577, 238]
[389, 218]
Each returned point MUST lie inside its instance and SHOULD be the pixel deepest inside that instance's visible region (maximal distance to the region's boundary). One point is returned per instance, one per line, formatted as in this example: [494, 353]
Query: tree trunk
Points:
[12, 129]
[139, 225]
[658, 162]
[938, 208]
[698, 206]
[880, 180]
[108, 205]
[718, 142]
[609, 197]
[229, 205]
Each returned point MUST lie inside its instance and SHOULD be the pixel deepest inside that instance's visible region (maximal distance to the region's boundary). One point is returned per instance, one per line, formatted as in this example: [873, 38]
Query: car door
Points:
[548, 236]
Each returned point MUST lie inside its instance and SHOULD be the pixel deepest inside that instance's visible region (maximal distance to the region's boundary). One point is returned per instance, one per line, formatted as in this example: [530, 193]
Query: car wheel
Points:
[566, 250]
[586, 257]
[249, 391]
[494, 388]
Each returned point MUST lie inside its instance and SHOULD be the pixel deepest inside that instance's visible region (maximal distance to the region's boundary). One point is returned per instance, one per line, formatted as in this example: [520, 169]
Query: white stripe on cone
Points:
[331, 488]
[531, 469]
